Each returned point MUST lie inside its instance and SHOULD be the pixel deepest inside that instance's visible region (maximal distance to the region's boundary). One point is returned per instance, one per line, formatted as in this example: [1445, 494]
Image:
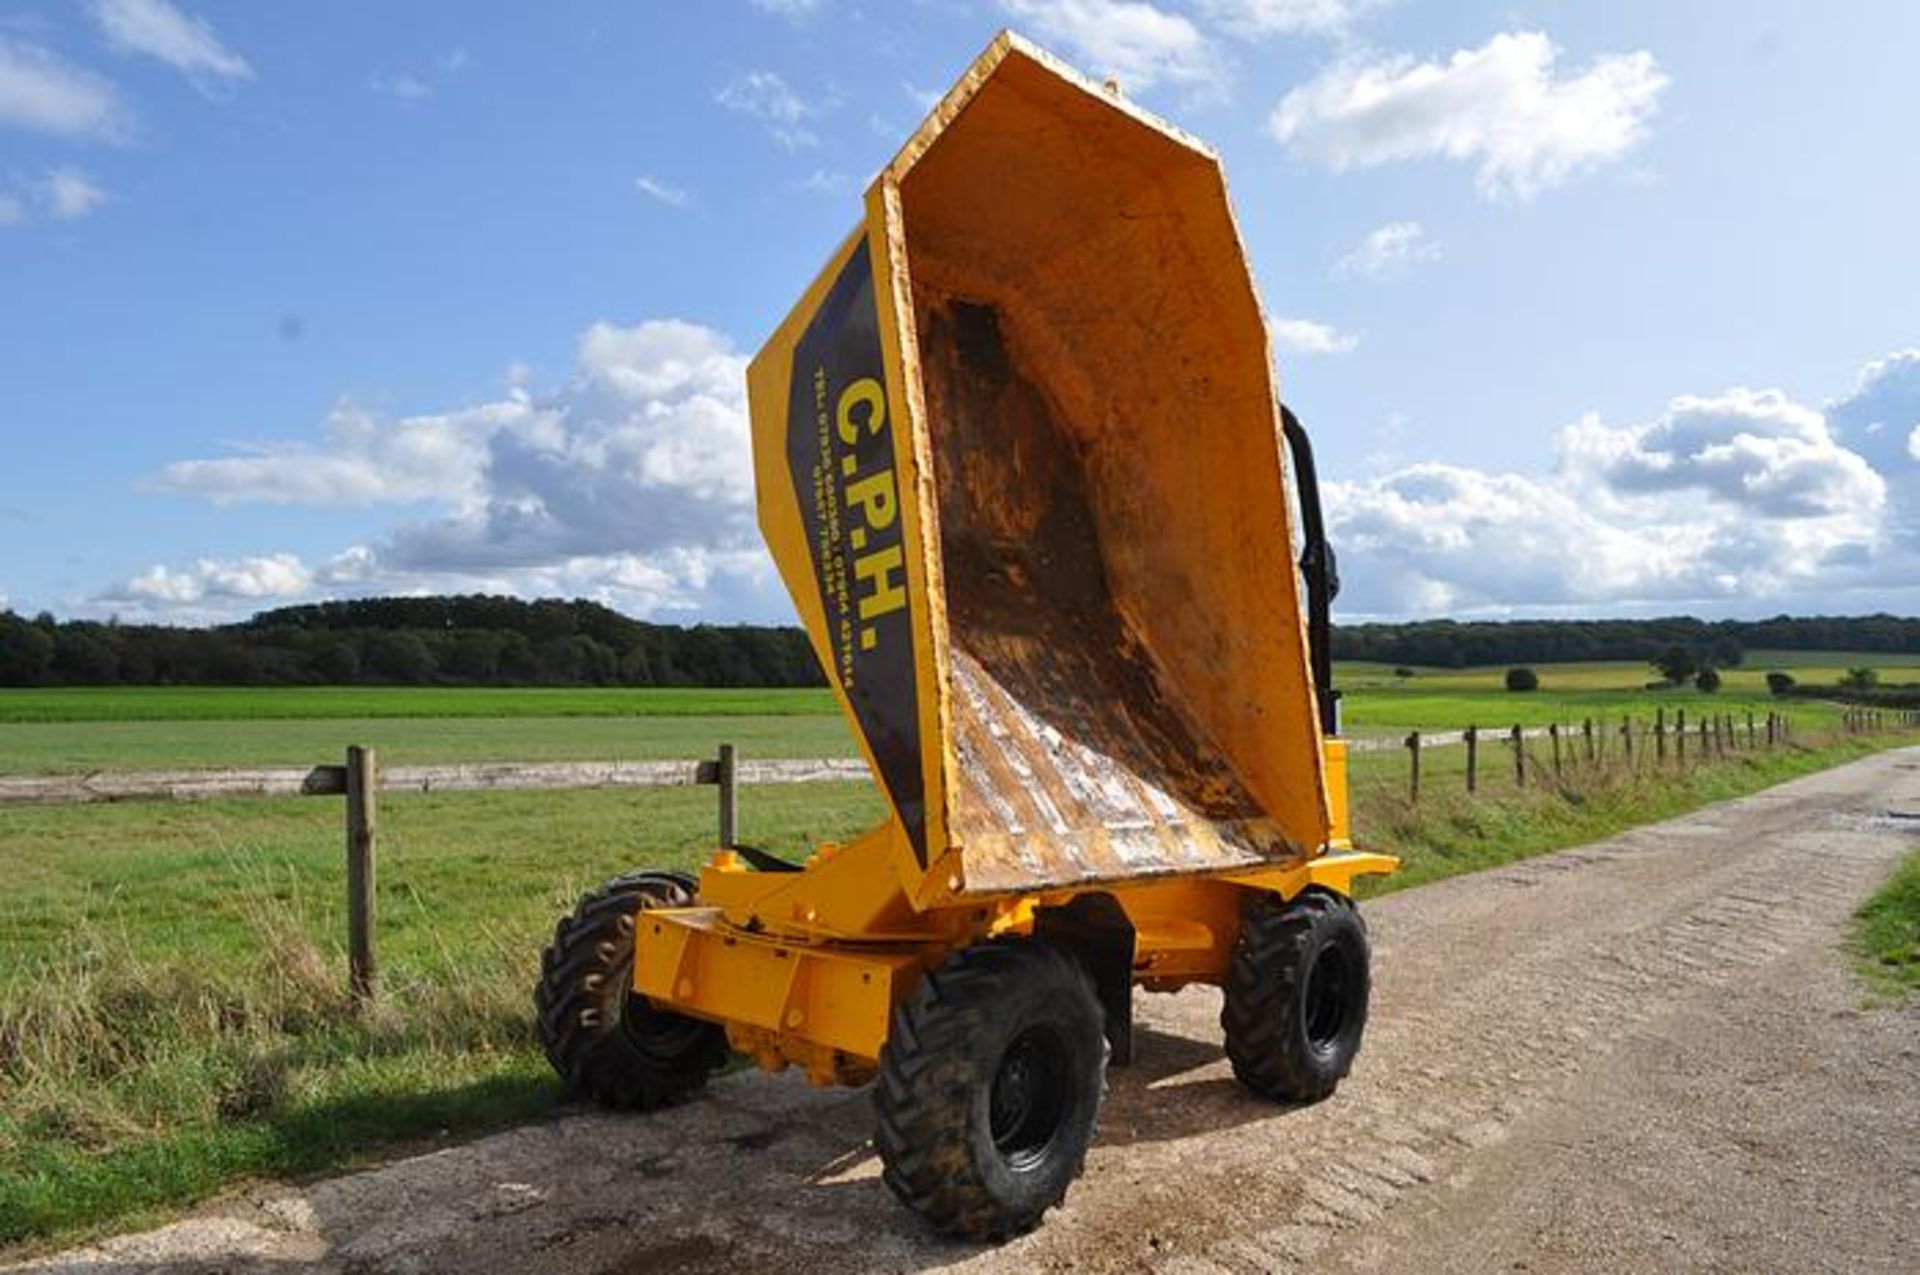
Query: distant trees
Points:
[1677, 664]
[1707, 679]
[26, 651]
[442, 641]
[1860, 679]
[1522, 679]
[1780, 683]
[1723, 643]
[481, 640]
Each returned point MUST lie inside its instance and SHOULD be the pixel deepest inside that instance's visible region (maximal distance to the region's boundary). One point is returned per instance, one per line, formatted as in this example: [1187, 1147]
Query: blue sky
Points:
[1594, 309]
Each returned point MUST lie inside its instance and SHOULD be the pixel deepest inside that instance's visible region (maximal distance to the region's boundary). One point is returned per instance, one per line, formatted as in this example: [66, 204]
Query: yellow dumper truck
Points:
[1024, 469]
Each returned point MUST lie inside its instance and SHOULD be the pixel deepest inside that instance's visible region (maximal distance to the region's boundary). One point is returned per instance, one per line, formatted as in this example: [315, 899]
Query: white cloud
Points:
[1257, 19]
[633, 484]
[823, 181]
[764, 96]
[1388, 251]
[1880, 416]
[271, 577]
[404, 87]
[61, 194]
[1433, 538]
[157, 29]
[1503, 106]
[1304, 336]
[69, 194]
[44, 93]
[1880, 419]
[653, 188]
[411, 89]
[1726, 499]
[789, 8]
[365, 460]
[1755, 450]
[1135, 43]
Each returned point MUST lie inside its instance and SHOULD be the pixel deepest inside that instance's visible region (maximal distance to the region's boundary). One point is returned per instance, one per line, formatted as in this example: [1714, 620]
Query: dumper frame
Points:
[1121, 788]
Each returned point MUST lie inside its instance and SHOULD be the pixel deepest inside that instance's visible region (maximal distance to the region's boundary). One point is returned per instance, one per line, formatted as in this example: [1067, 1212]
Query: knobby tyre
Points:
[989, 1088]
[607, 1043]
[1296, 995]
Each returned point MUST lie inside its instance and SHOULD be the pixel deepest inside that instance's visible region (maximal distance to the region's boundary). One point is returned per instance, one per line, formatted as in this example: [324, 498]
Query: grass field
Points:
[1887, 932]
[157, 728]
[306, 703]
[1380, 703]
[172, 1008]
[146, 728]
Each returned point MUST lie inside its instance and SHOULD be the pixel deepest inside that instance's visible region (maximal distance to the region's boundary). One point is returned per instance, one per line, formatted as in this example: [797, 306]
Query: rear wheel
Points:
[608, 1043]
[990, 1084]
[1297, 992]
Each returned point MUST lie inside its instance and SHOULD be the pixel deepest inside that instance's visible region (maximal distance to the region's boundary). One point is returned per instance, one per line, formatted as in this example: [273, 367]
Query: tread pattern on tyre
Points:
[930, 1068]
[585, 974]
[1260, 1016]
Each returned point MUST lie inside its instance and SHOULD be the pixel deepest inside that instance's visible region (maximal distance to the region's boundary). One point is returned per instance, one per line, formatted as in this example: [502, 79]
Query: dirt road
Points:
[1644, 1054]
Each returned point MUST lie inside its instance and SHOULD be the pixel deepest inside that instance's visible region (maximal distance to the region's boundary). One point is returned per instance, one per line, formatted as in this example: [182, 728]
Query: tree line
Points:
[1458, 644]
[435, 641]
[480, 640]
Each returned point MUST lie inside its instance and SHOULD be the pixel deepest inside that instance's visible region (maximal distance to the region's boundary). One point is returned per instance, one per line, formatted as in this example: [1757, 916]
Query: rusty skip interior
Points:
[1101, 412]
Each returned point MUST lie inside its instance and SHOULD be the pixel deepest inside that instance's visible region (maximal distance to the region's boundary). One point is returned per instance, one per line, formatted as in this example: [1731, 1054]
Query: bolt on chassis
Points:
[1021, 461]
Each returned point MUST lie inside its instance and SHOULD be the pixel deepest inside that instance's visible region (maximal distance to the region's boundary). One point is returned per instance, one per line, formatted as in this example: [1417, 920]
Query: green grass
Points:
[172, 1009]
[65, 747]
[1448, 832]
[1886, 933]
[160, 728]
[245, 703]
[1377, 703]
[82, 729]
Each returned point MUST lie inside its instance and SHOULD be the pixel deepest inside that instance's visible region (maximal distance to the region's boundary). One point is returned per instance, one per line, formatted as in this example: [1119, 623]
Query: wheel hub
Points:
[1029, 1097]
[1326, 996]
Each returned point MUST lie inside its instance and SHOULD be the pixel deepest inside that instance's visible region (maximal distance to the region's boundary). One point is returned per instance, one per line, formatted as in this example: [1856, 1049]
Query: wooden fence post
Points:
[1706, 741]
[729, 798]
[1753, 739]
[1413, 751]
[1473, 758]
[363, 828]
[1553, 733]
[1660, 734]
[1680, 736]
[1586, 728]
[1519, 757]
[1626, 739]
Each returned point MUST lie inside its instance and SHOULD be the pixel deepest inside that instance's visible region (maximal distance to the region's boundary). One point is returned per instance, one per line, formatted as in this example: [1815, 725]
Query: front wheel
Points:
[609, 1043]
[990, 1083]
[1296, 996]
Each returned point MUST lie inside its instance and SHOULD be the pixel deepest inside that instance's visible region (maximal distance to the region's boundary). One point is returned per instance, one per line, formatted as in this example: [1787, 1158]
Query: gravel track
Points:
[1642, 1054]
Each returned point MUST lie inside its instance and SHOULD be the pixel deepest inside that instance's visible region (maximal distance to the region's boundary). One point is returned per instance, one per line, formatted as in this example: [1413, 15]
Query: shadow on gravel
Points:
[759, 1170]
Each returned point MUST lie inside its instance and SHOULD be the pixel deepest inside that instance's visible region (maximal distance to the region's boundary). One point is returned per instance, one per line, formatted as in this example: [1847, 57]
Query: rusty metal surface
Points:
[1075, 758]
[1110, 662]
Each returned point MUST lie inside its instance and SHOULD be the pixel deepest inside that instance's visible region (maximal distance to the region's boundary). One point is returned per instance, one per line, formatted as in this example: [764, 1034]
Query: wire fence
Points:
[1479, 758]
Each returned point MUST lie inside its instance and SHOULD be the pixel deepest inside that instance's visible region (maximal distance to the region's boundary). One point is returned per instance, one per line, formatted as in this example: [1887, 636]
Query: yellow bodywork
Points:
[1018, 459]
